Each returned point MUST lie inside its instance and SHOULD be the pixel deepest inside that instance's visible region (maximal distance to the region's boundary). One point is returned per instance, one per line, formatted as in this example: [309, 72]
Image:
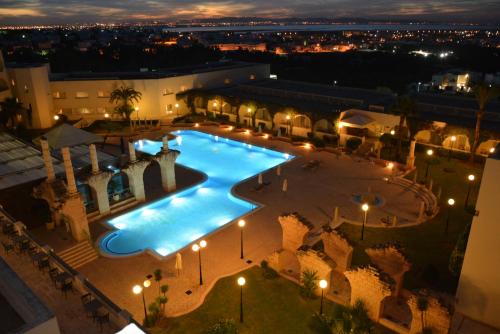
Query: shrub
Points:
[267, 271]
[321, 324]
[309, 280]
[353, 143]
[318, 142]
[223, 326]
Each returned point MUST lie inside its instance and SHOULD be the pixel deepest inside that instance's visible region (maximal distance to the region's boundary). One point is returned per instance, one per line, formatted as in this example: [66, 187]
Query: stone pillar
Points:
[165, 143]
[166, 160]
[47, 159]
[410, 162]
[135, 174]
[336, 215]
[131, 151]
[421, 212]
[99, 183]
[68, 167]
[294, 231]
[93, 159]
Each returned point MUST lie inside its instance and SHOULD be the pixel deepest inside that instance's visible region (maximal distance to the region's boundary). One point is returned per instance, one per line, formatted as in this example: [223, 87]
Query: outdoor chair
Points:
[261, 186]
[311, 165]
[43, 264]
[7, 247]
[86, 298]
[53, 274]
[67, 286]
[102, 318]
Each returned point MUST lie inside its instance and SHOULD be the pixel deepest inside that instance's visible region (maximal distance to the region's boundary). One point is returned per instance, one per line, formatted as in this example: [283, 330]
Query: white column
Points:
[165, 143]
[93, 159]
[68, 167]
[131, 151]
[47, 160]
[411, 157]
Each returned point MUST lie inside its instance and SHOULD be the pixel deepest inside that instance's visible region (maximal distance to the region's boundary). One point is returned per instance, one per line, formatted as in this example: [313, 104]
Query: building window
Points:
[83, 110]
[102, 93]
[167, 91]
[13, 82]
[59, 95]
[26, 90]
[183, 88]
[101, 110]
[82, 95]
[227, 81]
[252, 76]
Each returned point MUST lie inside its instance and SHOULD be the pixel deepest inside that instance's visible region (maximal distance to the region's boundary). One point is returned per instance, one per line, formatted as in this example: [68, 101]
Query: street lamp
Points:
[322, 284]
[428, 161]
[393, 132]
[451, 202]
[288, 121]
[197, 248]
[177, 109]
[137, 289]
[471, 179]
[241, 281]
[492, 150]
[241, 224]
[365, 208]
[56, 117]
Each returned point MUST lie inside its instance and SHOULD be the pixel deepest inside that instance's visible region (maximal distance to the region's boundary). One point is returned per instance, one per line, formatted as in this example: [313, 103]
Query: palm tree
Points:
[158, 276]
[309, 279]
[10, 109]
[125, 97]
[484, 93]
[422, 305]
[405, 108]
[351, 319]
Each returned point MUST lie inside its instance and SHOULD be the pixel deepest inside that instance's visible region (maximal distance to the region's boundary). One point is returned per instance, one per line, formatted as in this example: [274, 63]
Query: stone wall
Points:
[314, 261]
[391, 260]
[294, 231]
[369, 285]
[338, 249]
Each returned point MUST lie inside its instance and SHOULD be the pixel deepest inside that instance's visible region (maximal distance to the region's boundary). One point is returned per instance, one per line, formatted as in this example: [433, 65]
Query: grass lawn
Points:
[427, 246]
[270, 306]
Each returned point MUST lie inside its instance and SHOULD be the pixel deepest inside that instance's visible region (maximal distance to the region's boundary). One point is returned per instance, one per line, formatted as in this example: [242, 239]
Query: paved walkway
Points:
[68, 310]
[313, 194]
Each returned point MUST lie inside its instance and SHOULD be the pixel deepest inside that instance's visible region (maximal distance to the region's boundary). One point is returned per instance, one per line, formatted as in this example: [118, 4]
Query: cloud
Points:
[70, 11]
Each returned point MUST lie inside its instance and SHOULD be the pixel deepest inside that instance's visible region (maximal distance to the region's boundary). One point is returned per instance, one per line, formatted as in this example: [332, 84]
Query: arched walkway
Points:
[118, 188]
[302, 125]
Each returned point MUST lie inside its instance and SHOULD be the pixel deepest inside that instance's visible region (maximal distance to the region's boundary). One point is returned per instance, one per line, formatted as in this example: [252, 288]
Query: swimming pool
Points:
[175, 221]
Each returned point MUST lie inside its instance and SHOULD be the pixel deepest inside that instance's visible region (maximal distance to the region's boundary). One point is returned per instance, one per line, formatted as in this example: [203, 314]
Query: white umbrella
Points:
[178, 263]
[259, 180]
[285, 185]
[278, 170]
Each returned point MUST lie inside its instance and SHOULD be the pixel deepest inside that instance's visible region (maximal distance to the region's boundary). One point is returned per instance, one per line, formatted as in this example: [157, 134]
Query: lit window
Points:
[227, 81]
[252, 76]
[13, 82]
[102, 93]
[169, 107]
[101, 110]
[26, 90]
[83, 110]
[59, 95]
[81, 95]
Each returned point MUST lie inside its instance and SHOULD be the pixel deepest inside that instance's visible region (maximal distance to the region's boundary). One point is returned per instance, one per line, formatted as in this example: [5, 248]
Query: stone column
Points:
[47, 159]
[93, 159]
[165, 143]
[410, 162]
[131, 151]
[99, 183]
[68, 167]
[166, 160]
[135, 174]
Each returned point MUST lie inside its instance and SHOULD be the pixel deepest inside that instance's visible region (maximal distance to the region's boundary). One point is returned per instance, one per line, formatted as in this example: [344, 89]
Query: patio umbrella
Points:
[285, 185]
[278, 170]
[259, 180]
[178, 263]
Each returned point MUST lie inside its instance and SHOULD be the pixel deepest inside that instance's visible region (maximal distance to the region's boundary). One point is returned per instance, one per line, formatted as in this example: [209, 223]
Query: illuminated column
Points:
[47, 159]
[165, 143]
[166, 160]
[93, 159]
[410, 162]
[68, 167]
[131, 151]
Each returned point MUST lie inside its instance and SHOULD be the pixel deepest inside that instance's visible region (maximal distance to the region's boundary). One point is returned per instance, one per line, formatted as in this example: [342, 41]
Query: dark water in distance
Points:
[331, 27]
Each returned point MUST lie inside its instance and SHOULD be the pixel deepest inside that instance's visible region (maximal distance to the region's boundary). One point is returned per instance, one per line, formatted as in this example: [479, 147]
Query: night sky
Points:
[72, 11]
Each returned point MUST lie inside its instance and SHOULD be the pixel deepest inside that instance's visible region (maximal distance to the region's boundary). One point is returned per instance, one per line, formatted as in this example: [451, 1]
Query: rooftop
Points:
[154, 74]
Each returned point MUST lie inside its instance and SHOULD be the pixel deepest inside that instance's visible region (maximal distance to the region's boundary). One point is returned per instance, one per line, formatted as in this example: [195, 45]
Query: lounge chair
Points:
[311, 165]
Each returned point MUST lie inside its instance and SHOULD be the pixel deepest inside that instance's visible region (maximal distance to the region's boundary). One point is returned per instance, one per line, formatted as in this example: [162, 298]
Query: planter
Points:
[50, 226]
[116, 197]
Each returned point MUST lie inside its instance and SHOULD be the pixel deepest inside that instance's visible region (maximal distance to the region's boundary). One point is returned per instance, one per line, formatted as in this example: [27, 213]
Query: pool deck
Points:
[313, 194]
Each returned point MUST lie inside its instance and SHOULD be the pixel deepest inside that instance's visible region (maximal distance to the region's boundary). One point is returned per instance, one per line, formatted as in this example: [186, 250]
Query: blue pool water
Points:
[175, 221]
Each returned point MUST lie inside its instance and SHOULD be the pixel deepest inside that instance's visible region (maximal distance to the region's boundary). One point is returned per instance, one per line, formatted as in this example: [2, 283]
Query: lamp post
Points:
[288, 118]
[451, 202]
[197, 248]
[471, 179]
[453, 140]
[492, 150]
[249, 112]
[241, 224]
[177, 109]
[241, 283]
[322, 284]
[365, 208]
[137, 289]
[429, 155]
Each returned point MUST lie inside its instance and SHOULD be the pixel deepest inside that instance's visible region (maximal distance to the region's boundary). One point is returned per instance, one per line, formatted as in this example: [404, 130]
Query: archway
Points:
[457, 142]
[289, 264]
[396, 310]
[152, 181]
[263, 118]
[118, 188]
[88, 196]
[302, 125]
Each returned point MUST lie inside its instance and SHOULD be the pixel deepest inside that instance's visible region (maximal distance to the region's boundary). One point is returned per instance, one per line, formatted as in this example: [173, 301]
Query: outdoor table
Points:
[36, 257]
